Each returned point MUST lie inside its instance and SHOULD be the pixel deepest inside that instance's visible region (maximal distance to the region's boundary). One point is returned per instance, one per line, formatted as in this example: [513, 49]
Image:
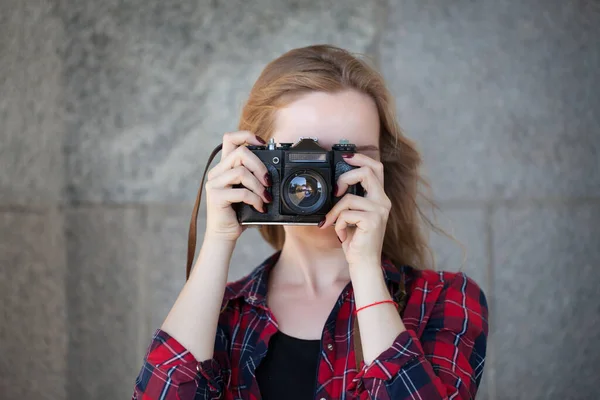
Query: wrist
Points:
[369, 285]
[219, 241]
[216, 249]
[366, 267]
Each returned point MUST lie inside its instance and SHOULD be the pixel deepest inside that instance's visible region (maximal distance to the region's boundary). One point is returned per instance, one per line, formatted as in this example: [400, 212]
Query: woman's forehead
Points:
[329, 117]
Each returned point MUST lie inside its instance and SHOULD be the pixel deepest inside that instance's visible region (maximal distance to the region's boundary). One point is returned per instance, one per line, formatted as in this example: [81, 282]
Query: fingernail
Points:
[322, 221]
[268, 179]
[261, 210]
[268, 196]
[260, 139]
[347, 155]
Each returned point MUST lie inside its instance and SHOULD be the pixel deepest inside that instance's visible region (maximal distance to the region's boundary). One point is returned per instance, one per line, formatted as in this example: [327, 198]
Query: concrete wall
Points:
[109, 109]
[33, 260]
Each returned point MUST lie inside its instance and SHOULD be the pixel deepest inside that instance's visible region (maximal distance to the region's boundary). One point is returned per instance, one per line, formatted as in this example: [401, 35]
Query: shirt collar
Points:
[253, 287]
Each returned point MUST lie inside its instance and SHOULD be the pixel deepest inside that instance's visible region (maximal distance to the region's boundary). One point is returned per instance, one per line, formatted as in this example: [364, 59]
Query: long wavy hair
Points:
[326, 68]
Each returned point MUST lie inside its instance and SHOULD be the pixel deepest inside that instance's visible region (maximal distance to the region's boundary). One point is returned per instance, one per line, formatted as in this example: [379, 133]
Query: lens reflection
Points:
[304, 191]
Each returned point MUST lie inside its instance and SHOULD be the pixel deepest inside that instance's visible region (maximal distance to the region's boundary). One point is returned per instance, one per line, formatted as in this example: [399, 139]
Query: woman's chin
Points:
[313, 232]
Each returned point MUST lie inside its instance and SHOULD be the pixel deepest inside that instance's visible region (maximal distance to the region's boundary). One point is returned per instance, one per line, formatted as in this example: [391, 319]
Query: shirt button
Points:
[329, 347]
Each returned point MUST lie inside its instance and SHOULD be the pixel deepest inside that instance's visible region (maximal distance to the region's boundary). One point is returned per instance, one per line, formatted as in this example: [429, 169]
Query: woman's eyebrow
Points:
[367, 148]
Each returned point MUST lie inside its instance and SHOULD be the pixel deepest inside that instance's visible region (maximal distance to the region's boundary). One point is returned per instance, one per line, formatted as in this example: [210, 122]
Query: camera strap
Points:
[194, 222]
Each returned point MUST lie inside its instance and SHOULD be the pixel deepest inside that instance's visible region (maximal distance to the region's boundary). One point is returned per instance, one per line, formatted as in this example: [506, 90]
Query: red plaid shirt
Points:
[439, 356]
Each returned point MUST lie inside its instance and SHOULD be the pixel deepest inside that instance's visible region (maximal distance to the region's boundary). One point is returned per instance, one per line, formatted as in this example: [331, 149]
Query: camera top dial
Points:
[344, 145]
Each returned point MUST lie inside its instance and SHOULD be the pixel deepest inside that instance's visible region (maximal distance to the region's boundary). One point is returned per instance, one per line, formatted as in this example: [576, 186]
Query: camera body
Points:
[303, 176]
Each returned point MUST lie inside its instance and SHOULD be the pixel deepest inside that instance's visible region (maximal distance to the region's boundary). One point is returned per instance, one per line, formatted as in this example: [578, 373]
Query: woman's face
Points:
[330, 117]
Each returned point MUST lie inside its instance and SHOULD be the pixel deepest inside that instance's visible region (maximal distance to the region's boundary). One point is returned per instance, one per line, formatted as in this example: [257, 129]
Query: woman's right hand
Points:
[238, 165]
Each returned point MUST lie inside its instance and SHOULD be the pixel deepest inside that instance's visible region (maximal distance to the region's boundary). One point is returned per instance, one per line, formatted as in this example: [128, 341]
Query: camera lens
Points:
[304, 192]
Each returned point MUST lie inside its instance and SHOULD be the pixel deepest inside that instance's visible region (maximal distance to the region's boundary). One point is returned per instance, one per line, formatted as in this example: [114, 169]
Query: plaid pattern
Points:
[440, 355]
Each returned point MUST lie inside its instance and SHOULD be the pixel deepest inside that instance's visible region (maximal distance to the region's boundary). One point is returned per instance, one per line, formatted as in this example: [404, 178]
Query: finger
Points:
[362, 160]
[229, 196]
[363, 220]
[366, 178]
[239, 175]
[349, 202]
[242, 156]
[232, 140]
[344, 219]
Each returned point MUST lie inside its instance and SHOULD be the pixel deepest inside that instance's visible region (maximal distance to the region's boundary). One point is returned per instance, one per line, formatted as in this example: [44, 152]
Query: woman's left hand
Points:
[360, 222]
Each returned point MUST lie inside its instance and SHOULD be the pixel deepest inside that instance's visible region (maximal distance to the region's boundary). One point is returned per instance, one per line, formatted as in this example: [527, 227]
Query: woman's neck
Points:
[311, 258]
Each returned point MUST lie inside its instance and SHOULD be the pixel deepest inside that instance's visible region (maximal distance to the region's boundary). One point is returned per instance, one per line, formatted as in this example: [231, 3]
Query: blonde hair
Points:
[330, 69]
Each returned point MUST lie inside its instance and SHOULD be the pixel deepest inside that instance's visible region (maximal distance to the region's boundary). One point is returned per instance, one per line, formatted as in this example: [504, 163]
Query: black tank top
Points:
[289, 370]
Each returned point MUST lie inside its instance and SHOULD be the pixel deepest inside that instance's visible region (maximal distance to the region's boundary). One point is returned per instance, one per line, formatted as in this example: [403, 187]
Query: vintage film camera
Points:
[303, 175]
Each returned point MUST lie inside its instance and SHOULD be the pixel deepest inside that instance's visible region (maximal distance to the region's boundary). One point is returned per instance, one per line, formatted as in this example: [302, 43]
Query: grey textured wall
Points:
[108, 110]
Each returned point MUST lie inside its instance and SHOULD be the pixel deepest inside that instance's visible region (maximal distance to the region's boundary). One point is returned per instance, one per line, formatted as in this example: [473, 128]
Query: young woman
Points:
[349, 309]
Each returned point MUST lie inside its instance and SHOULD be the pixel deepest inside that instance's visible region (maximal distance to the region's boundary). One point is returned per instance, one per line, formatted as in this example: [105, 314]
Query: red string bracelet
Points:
[376, 304]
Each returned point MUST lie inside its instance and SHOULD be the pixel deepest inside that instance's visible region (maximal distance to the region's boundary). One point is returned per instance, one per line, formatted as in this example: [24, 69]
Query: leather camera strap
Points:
[193, 223]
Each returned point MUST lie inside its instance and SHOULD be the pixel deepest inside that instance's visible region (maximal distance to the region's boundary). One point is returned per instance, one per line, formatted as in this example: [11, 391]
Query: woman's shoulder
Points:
[437, 277]
[444, 297]
[250, 289]
[432, 283]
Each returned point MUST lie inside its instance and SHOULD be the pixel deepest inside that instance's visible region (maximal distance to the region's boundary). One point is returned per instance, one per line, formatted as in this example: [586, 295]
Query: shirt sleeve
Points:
[171, 372]
[446, 363]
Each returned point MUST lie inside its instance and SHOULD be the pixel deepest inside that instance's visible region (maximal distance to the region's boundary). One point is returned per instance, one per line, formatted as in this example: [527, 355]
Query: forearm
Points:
[194, 316]
[381, 324]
